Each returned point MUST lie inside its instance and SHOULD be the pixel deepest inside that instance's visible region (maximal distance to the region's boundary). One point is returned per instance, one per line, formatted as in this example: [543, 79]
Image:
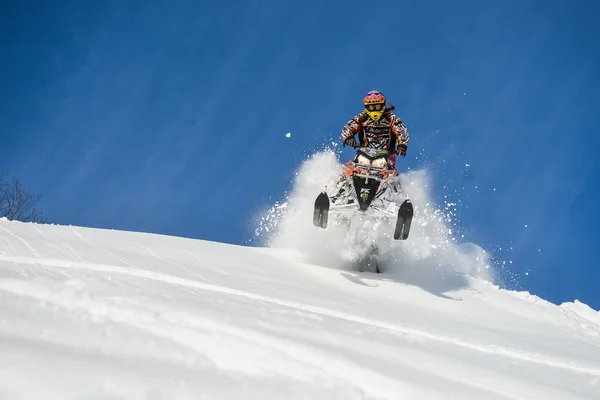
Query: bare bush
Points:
[17, 202]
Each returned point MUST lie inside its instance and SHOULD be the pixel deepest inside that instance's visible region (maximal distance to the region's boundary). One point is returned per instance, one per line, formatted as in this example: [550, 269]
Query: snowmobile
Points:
[368, 184]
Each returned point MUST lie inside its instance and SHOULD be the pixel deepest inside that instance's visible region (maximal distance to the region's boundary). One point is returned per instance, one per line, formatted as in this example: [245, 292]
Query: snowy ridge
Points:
[97, 314]
[583, 310]
[17, 287]
[88, 312]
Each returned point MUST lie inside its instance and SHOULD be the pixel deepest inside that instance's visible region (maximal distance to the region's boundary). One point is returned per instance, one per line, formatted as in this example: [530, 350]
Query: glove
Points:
[401, 151]
[351, 142]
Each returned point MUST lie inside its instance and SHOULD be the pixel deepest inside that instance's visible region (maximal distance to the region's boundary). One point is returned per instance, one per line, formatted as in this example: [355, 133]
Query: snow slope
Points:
[98, 314]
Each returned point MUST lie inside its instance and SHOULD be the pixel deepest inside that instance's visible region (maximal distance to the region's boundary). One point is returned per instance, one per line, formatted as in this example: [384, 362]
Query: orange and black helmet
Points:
[374, 103]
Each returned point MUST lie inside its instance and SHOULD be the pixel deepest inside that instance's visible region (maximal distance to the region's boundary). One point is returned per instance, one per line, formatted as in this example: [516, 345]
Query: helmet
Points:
[374, 103]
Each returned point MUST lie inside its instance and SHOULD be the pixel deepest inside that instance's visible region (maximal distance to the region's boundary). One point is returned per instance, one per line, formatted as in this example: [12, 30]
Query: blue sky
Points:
[163, 116]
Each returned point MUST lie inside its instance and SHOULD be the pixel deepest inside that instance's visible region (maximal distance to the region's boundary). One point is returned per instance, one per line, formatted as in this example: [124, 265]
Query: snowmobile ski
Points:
[405, 214]
[321, 210]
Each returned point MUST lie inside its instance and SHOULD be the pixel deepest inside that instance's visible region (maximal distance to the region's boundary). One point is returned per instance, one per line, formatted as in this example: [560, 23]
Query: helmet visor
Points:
[375, 107]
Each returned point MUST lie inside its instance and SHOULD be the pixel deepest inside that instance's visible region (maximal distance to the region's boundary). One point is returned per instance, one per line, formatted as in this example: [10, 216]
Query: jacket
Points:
[386, 133]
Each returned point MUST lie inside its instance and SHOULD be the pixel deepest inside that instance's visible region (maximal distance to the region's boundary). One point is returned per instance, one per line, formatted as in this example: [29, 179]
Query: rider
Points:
[377, 127]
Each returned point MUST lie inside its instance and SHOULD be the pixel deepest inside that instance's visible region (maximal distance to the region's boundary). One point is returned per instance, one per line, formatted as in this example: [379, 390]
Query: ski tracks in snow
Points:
[181, 267]
[395, 328]
[21, 240]
[103, 250]
[218, 343]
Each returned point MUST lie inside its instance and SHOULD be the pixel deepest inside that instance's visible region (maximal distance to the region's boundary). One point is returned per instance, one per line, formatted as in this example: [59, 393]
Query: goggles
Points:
[375, 107]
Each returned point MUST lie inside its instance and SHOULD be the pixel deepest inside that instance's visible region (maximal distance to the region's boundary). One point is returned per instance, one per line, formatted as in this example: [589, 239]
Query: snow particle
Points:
[288, 135]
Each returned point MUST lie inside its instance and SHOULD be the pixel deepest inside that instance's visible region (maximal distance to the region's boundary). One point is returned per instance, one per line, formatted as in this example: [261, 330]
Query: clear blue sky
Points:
[163, 116]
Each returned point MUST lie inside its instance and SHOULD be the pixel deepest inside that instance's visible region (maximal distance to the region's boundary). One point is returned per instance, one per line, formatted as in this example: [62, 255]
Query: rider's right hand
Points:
[351, 142]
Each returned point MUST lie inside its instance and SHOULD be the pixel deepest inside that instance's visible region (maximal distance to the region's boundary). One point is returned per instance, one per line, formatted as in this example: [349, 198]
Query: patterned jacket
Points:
[387, 133]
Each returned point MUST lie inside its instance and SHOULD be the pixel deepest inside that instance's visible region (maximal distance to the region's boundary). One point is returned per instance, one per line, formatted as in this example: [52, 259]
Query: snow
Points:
[103, 314]
[87, 313]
